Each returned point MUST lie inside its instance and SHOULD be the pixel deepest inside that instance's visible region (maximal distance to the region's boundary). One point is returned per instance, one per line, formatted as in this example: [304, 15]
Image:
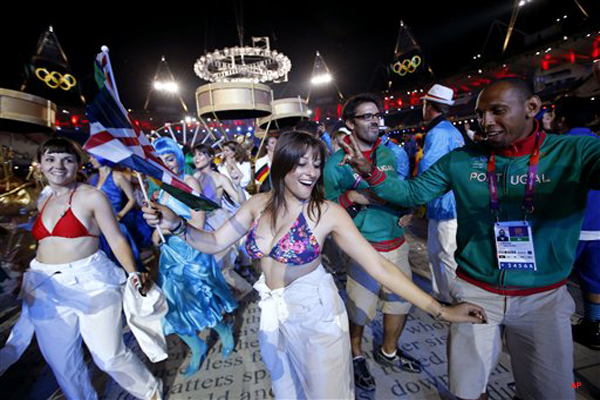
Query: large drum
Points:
[286, 113]
[234, 100]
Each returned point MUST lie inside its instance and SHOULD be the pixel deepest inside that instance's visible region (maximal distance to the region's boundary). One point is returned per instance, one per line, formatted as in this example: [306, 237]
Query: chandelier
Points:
[256, 63]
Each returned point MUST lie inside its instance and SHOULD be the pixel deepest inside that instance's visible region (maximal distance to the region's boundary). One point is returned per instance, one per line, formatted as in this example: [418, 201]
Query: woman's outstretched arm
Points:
[349, 239]
[207, 242]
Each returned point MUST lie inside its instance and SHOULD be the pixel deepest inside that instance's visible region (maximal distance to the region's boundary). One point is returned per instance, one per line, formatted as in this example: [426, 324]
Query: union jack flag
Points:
[114, 137]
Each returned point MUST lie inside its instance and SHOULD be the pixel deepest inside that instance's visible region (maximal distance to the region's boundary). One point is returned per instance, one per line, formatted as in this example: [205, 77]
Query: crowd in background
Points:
[203, 288]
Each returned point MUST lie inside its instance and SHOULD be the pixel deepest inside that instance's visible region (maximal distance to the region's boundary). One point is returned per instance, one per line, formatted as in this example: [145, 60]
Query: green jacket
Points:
[377, 223]
[568, 168]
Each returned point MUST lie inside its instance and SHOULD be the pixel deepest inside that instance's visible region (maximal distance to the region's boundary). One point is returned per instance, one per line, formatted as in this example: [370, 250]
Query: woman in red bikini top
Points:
[71, 218]
[304, 324]
[71, 289]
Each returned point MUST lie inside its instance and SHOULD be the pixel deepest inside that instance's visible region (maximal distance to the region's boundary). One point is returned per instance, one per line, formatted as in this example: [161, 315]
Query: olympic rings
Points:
[55, 79]
[407, 66]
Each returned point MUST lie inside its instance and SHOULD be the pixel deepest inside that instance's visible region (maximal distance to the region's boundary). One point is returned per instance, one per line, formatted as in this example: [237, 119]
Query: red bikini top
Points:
[68, 226]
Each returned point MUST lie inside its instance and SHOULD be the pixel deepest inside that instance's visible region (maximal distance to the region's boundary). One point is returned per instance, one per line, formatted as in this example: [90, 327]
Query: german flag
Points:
[262, 173]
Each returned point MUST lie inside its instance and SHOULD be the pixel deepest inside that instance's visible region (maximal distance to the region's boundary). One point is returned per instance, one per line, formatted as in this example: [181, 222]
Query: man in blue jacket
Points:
[571, 115]
[442, 137]
[402, 161]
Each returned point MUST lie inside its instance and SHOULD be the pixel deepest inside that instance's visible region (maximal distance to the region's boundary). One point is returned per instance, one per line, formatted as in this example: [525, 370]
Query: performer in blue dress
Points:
[220, 189]
[119, 191]
[192, 281]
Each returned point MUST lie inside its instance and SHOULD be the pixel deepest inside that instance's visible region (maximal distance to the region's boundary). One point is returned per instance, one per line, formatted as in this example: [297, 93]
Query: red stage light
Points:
[596, 48]
[546, 62]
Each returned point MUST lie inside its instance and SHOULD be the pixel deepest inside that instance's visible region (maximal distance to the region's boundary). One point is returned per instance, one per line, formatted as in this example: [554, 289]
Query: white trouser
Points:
[19, 339]
[537, 331]
[304, 338]
[441, 245]
[93, 314]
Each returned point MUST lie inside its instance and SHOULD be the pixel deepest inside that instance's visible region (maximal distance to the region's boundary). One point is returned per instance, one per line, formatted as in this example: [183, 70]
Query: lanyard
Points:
[534, 160]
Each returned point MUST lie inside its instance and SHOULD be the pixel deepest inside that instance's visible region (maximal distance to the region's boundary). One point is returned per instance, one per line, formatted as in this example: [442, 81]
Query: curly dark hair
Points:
[353, 102]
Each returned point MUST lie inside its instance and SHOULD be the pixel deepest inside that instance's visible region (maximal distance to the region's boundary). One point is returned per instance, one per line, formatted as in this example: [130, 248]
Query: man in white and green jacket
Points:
[530, 308]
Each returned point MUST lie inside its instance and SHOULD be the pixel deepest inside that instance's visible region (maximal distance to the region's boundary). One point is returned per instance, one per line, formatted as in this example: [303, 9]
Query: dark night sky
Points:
[356, 39]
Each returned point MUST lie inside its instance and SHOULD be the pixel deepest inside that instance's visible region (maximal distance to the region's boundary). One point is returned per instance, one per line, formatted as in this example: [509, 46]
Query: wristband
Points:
[180, 229]
[375, 177]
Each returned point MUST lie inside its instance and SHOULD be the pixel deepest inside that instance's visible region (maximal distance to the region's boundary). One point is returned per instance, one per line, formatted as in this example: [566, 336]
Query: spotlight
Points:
[321, 79]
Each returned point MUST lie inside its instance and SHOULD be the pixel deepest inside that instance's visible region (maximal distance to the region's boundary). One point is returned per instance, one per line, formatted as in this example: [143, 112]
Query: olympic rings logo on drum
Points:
[407, 66]
[56, 79]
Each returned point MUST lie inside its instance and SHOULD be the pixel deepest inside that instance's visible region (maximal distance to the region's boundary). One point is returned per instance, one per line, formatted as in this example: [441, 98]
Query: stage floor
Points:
[242, 376]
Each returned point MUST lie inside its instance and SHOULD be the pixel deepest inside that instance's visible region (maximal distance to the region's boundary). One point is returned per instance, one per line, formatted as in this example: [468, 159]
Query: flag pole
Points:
[262, 142]
[143, 187]
[113, 82]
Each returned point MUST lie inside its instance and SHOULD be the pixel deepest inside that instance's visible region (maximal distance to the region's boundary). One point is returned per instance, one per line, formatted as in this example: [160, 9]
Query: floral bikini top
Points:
[297, 247]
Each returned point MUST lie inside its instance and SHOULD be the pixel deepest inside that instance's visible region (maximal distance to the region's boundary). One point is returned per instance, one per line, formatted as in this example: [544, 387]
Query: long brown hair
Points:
[290, 147]
[240, 154]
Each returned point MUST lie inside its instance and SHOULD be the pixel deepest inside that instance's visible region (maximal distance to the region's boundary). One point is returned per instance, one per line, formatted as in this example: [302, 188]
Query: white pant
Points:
[304, 339]
[441, 245]
[94, 315]
[537, 332]
[19, 339]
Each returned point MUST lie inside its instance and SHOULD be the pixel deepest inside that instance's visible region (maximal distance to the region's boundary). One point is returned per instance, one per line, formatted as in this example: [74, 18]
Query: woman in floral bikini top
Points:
[304, 336]
[297, 247]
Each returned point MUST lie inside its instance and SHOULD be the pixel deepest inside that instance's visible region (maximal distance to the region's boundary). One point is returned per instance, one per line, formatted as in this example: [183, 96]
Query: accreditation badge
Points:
[514, 245]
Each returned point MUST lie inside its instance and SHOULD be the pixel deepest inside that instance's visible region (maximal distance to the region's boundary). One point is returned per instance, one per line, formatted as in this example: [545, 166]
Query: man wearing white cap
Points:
[442, 137]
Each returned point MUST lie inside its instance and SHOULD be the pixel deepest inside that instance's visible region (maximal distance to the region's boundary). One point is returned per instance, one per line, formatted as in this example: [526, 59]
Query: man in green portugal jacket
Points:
[517, 174]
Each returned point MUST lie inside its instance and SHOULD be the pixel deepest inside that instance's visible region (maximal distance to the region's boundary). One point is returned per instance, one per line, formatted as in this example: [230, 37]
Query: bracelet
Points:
[438, 315]
[180, 229]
